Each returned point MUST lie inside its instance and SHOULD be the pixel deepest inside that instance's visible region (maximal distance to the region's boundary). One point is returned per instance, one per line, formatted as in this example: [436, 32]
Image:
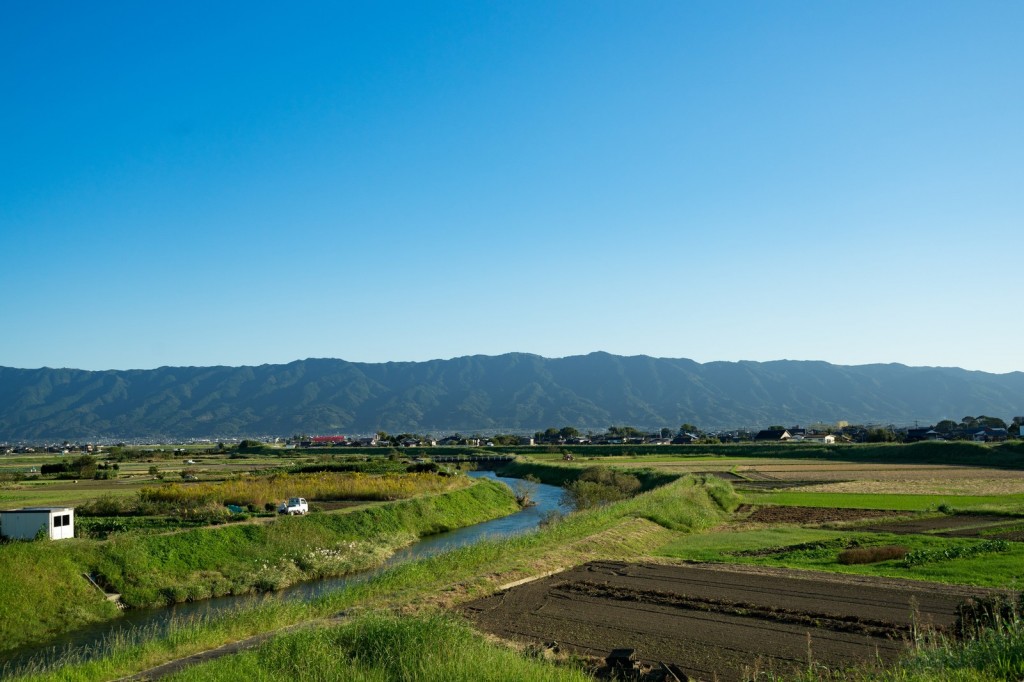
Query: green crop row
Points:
[927, 556]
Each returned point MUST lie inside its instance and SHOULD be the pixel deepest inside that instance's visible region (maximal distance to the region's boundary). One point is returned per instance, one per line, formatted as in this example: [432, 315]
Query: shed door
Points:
[61, 527]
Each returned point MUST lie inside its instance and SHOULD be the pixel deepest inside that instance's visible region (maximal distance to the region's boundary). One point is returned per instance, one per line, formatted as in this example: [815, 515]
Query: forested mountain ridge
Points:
[512, 392]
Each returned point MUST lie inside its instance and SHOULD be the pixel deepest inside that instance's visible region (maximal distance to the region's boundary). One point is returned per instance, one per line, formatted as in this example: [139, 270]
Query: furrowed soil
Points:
[960, 525]
[716, 622]
[811, 515]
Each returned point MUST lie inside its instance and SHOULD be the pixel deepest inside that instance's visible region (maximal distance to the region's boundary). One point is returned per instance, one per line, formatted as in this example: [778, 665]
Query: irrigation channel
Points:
[89, 641]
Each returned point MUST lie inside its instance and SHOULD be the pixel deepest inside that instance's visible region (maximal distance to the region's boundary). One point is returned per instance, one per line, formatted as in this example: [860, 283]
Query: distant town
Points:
[981, 429]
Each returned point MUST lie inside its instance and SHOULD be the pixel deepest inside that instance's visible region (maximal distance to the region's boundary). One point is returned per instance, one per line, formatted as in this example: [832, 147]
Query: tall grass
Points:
[315, 486]
[383, 649]
[995, 654]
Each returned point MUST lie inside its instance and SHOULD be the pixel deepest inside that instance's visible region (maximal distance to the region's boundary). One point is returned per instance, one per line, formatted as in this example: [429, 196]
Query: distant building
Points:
[326, 441]
[922, 433]
[824, 438]
[988, 434]
[772, 435]
[685, 438]
[26, 524]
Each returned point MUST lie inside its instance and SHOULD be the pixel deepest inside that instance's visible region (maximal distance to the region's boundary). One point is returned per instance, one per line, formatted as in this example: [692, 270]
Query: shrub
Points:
[105, 505]
[872, 555]
[423, 468]
[598, 486]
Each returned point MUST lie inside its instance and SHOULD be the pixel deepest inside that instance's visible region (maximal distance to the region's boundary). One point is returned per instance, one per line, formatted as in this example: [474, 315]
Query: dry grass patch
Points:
[926, 486]
[872, 555]
[315, 486]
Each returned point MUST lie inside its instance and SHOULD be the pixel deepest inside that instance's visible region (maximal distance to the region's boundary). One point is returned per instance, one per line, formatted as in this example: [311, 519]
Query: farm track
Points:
[719, 622]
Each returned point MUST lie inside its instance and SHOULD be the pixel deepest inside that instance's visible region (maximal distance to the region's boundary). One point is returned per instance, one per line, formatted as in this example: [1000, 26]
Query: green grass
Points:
[993, 655]
[630, 458]
[1005, 503]
[62, 493]
[994, 569]
[1008, 455]
[559, 473]
[612, 531]
[716, 547]
[374, 648]
[234, 559]
[42, 591]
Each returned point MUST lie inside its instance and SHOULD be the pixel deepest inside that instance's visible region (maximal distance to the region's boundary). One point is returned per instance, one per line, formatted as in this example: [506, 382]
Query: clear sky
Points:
[189, 183]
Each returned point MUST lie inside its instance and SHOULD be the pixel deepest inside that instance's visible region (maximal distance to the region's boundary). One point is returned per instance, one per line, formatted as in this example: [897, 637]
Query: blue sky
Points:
[249, 183]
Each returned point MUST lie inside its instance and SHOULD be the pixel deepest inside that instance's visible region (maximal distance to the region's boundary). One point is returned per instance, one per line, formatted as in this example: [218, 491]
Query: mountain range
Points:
[516, 392]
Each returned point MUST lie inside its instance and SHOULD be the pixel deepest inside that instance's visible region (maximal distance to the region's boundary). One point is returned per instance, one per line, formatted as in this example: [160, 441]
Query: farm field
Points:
[717, 622]
[786, 536]
[894, 501]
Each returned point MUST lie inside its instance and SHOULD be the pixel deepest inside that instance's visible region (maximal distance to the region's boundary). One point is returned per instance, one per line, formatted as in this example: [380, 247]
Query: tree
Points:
[84, 466]
[568, 432]
[598, 486]
[991, 422]
[688, 428]
[525, 490]
[946, 426]
[881, 436]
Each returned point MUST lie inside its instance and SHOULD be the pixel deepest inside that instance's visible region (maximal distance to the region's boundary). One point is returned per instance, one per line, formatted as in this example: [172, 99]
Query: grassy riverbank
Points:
[622, 530]
[381, 648]
[340, 635]
[36, 579]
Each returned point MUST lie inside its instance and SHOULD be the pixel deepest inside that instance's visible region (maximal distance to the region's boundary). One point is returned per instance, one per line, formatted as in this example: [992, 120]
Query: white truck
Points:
[294, 505]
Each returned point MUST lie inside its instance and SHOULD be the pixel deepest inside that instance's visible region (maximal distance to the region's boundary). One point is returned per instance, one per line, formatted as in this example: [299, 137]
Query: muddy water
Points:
[91, 640]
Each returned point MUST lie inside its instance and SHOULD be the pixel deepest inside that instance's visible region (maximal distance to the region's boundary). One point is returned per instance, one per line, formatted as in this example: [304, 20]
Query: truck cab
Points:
[294, 505]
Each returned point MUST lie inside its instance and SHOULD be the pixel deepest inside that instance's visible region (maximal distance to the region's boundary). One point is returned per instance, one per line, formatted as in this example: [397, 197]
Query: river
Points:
[90, 640]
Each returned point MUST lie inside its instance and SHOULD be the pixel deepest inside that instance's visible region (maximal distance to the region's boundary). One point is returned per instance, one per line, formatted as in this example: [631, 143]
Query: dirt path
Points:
[171, 667]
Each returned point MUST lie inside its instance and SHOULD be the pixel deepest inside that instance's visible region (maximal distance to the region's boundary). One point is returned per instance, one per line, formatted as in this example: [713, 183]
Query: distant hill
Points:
[513, 392]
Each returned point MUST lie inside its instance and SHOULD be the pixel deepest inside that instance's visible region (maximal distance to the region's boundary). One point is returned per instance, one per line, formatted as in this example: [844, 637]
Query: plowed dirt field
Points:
[961, 525]
[719, 622]
[811, 515]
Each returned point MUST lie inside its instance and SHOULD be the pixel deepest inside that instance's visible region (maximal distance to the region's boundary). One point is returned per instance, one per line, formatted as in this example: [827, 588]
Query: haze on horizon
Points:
[248, 183]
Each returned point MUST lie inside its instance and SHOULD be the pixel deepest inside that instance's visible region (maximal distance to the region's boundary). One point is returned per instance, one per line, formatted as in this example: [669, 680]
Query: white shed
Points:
[25, 524]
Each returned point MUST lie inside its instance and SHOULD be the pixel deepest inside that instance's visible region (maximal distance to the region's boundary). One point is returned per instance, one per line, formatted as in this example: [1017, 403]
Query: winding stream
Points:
[90, 640]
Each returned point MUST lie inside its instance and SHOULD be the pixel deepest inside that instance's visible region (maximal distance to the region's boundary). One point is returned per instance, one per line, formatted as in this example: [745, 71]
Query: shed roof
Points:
[37, 510]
